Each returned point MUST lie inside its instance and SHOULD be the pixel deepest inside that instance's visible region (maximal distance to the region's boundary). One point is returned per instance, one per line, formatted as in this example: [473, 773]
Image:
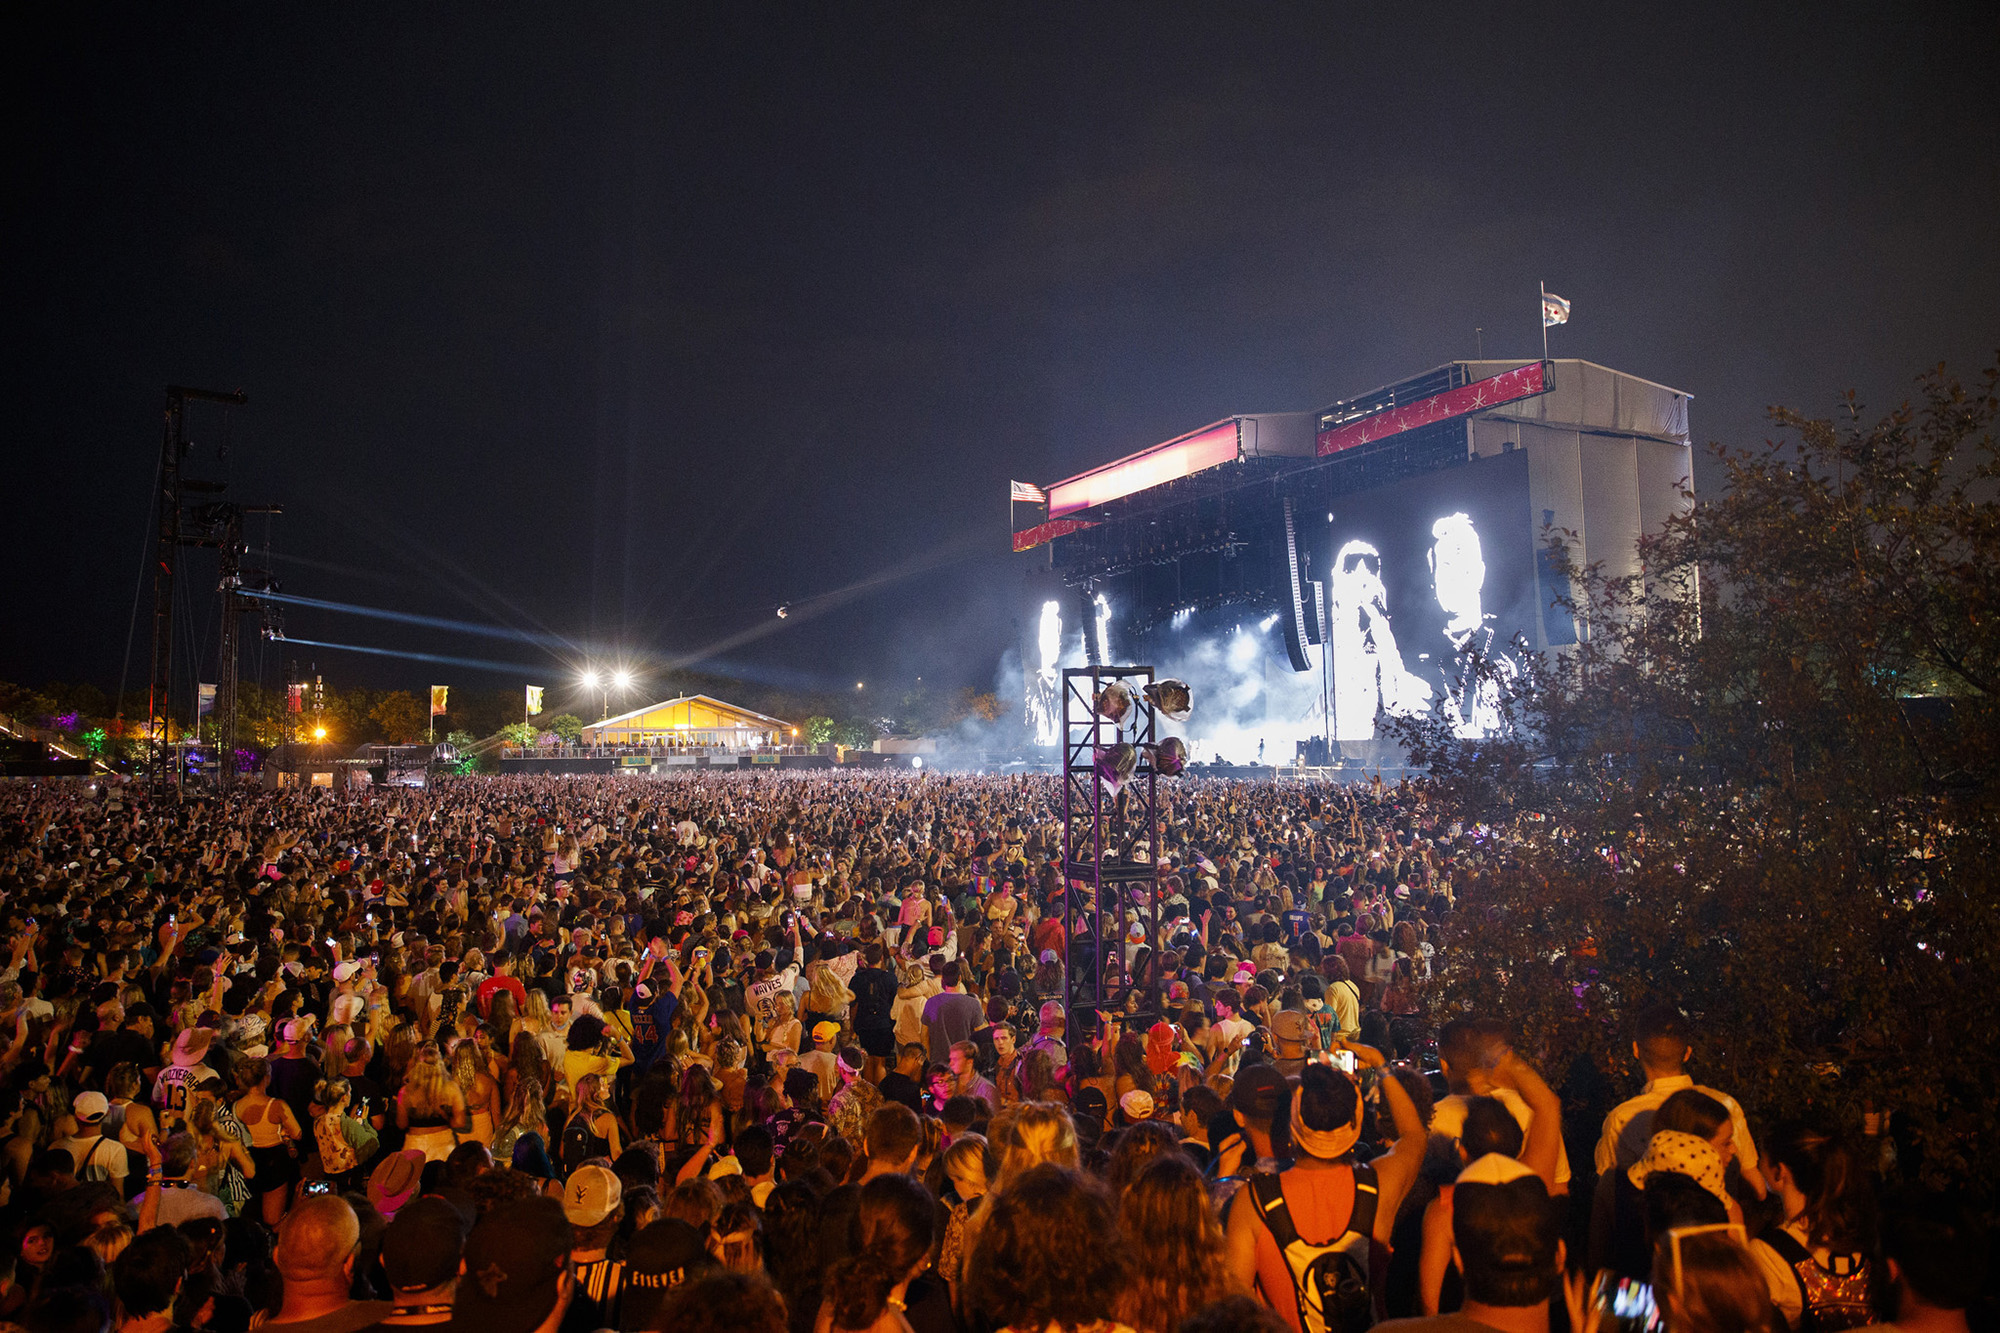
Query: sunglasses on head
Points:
[1734, 1230]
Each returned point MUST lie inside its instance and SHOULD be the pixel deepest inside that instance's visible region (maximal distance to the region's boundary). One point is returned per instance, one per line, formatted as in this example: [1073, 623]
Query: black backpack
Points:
[1330, 1281]
[577, 1142]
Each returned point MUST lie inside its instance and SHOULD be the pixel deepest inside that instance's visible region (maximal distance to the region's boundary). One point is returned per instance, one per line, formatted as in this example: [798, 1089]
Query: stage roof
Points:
[1246, 435]
[686, 713]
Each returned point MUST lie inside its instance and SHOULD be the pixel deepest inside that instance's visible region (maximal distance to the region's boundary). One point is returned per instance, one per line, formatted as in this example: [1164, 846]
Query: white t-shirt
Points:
[95, 1158]
[763, 995]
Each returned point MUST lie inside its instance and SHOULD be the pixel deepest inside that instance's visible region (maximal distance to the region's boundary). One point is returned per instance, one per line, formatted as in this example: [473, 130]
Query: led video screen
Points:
[1417, 576]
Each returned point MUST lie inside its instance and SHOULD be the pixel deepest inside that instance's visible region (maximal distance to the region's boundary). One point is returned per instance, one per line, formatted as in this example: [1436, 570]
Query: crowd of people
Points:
[791, 1052]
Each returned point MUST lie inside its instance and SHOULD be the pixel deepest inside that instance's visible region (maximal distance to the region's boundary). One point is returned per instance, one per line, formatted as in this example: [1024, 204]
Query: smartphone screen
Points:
[1625, 1305]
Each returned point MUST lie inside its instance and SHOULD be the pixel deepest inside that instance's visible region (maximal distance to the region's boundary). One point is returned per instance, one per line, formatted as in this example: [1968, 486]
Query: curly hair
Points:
[1135, 1150]
[792, 1244]
[1166, 1217]
[1049, 1252]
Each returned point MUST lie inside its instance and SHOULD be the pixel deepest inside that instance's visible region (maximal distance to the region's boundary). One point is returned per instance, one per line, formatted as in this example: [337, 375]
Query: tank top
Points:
[266, 1125]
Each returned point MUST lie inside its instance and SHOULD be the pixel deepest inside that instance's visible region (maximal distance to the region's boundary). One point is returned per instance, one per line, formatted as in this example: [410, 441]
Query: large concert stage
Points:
[1374, 545]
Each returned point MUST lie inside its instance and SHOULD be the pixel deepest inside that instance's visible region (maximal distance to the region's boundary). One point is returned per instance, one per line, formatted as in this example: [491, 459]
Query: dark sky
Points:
[632, 327]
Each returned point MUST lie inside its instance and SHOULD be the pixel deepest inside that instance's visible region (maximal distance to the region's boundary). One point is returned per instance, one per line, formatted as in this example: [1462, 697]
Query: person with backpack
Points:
[1817, 1260]
[592, 1130]
[1305, 1237]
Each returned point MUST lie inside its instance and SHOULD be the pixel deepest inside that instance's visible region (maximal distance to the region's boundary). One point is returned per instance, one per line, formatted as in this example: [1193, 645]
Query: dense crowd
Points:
[790, 1052]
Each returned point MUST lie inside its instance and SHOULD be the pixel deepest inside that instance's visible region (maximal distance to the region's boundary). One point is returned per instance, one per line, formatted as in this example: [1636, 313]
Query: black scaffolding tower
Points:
[1111, 853]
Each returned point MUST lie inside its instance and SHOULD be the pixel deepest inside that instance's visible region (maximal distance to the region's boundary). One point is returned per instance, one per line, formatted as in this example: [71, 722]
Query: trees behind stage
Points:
[1764, 787]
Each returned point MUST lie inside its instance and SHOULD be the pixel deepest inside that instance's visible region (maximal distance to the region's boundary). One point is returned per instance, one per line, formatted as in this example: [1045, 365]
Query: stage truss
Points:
[1111, 854]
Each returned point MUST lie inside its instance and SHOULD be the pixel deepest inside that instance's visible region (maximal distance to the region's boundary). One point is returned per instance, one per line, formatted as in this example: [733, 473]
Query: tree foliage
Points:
[402, 716]
[1733, 795]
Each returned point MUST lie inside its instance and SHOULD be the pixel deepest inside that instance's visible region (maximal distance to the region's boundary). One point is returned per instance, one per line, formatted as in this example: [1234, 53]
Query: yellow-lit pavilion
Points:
[693, 720]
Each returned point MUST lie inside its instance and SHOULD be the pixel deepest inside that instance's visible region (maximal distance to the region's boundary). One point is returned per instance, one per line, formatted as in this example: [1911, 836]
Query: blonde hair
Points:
[968, 1164]
[465, 1066]
[424, 1086]
[108, 1241]
[333, 1054]
[525, 1109]
[1029, 1134]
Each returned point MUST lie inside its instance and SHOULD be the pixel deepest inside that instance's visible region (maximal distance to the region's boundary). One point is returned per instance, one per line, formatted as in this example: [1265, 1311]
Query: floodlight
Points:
[622, 679]
[588, 680]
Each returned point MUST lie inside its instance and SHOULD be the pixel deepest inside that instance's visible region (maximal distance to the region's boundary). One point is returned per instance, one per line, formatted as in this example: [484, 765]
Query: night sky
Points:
[630, 329]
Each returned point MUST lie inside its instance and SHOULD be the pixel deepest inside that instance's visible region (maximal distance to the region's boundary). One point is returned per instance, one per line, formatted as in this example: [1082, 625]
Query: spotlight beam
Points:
[472, 663]
[412, 618]
[945, 553]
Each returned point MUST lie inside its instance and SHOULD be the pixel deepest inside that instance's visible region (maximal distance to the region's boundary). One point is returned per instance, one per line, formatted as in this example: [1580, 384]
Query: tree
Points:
[1726, 795]
[25, 705]
[402, 717]
[818, 728]
[566, 725]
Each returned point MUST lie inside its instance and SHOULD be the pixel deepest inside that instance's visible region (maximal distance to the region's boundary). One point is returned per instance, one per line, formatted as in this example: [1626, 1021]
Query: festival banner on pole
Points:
[534, 700]
[204, 700]
[295, 698]
[437, 699]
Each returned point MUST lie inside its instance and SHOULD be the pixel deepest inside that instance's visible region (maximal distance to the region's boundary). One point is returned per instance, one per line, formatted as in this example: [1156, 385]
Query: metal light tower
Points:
[1111, 845]
[166, 547]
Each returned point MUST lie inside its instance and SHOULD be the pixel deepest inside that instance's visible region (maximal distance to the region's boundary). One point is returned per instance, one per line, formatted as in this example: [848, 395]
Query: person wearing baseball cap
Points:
[820, 1060]
[659, 1259]
[421, 1249]
[593, 1200]
[1508, 1240]
[96, 1157]
[516, 1277]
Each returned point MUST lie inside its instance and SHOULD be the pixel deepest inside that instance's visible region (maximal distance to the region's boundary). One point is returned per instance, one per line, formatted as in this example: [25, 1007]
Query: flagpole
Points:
[1543, 314]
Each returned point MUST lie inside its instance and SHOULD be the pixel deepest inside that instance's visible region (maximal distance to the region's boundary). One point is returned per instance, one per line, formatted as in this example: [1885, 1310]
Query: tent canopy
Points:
[694, 720]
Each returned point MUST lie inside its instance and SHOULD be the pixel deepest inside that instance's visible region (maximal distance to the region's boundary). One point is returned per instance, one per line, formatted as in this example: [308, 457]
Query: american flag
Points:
[1555, 310]
[1027, 493]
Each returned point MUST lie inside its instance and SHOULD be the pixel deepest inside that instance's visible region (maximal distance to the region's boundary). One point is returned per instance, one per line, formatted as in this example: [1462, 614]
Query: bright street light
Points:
[319, 733]
[857, 684]
[588, 680]
[622, 679]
